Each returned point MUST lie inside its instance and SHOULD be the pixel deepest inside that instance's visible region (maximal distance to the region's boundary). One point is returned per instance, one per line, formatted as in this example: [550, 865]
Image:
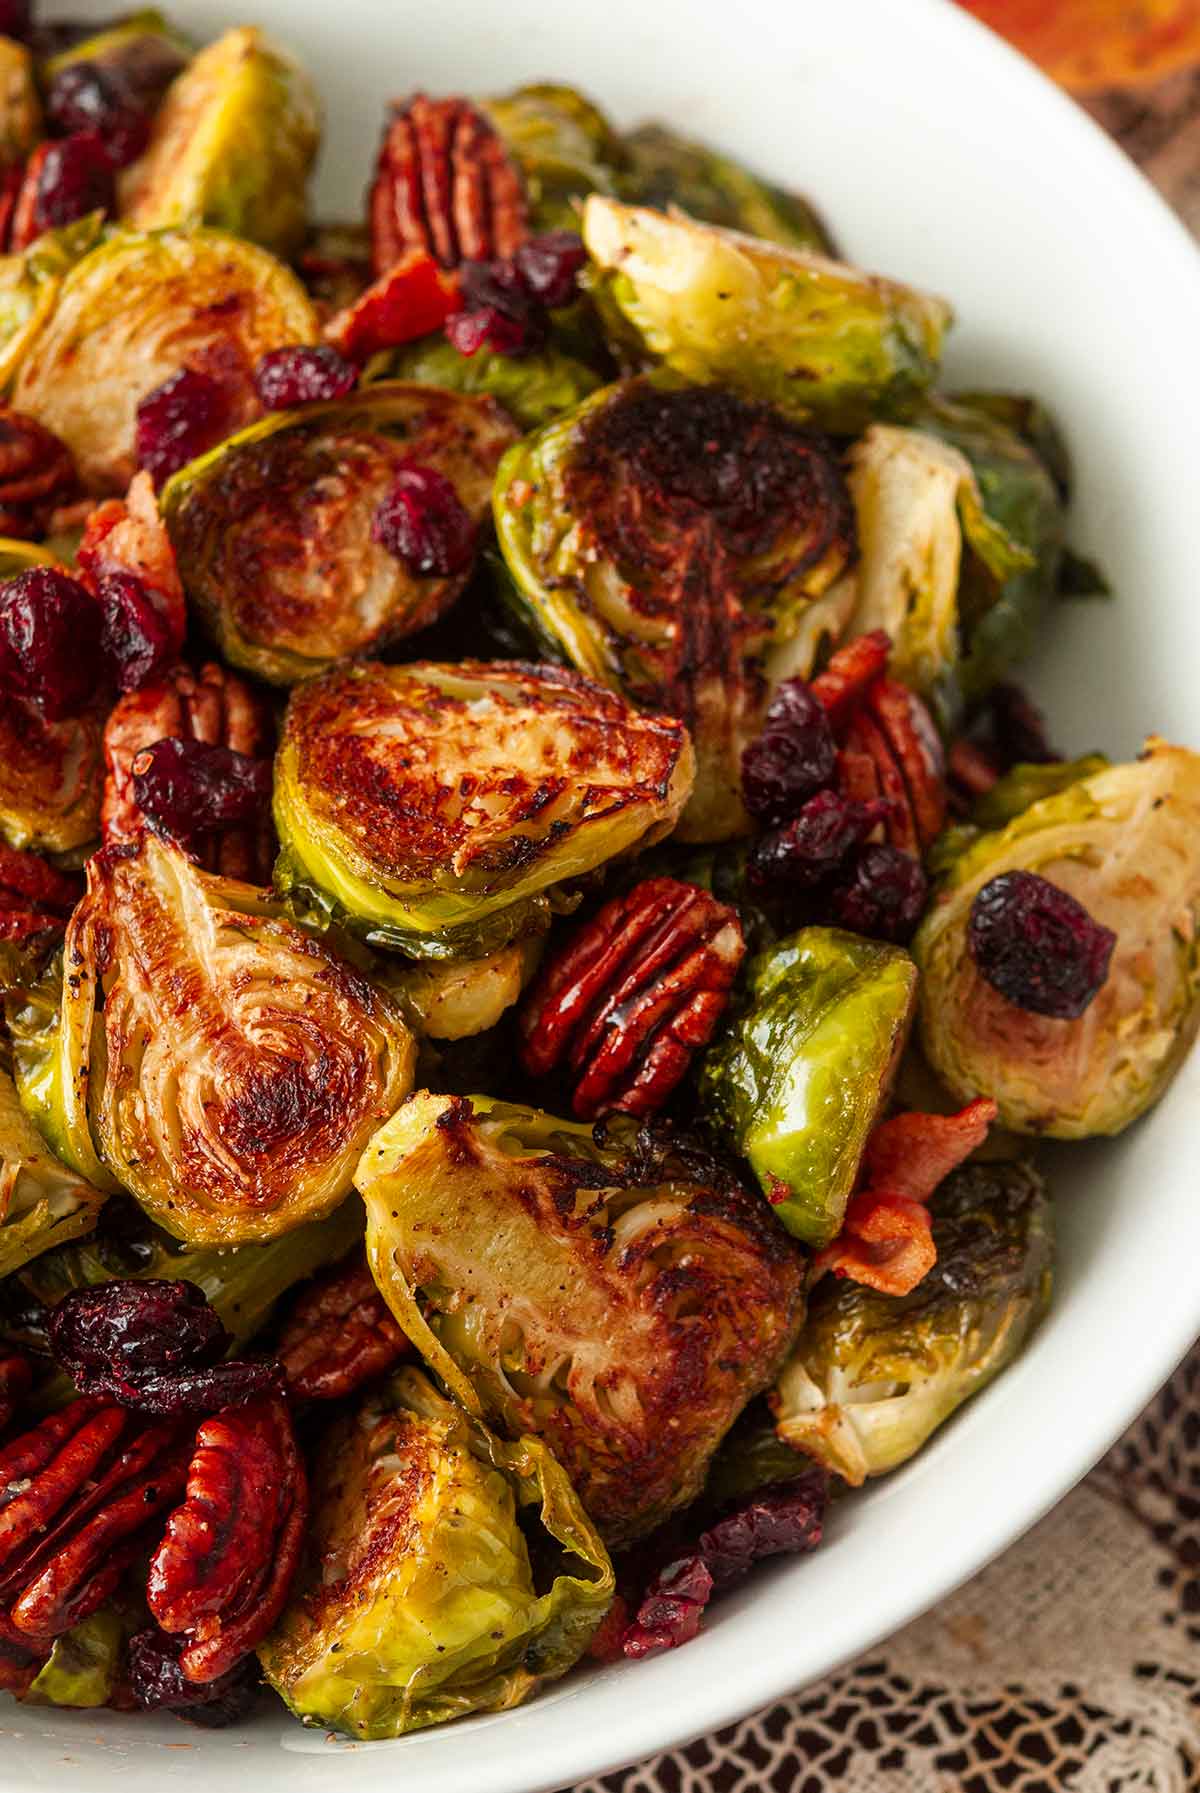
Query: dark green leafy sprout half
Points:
[273, 529]
[665, 170]
[232, 146]
[672, 542]
[873, 1376]
[533, 389]
[825, 342]
[564, 146]
[449, 1573]
[125, 318]
[802, 1073]
[42, 1202]
[621, 1299]
[205, 1053]
[433, 808]
[1125, 842]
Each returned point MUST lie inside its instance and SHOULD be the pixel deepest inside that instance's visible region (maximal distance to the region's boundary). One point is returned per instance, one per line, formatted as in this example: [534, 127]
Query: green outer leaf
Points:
[53, 1043]
[42, 1202]
[800, 1076]
[84, 1663]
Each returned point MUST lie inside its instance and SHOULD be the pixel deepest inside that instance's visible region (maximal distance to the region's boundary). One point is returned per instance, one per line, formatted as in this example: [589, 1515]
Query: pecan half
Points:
[445, 184]
[632, 995]
[37, 474]
[75, 1496]
[213, 706]
[222, 1572]
[888, 745]
[340, 1333]
[16, 1379]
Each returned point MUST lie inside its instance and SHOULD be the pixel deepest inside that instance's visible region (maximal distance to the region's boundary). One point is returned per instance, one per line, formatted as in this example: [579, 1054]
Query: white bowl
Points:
[941, 157]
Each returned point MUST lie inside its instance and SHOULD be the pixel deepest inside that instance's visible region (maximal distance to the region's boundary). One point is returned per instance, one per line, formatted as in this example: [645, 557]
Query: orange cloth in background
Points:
[1093, 44]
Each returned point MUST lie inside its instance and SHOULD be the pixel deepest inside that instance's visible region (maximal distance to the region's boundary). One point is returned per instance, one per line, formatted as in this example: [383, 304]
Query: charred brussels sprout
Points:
[823, 341]
[1124, 842]
[30, 283]
[130, 314]
[873, 1376]
[224, 1066]
[800, 1077]
[449, 1573]
[273, 529]
[619, 1298]
[433, 808]
[42, 1203]
[666, 170]
[533, 389]
[232, 146]
[564, 146]
[669, 541]
[20, 107]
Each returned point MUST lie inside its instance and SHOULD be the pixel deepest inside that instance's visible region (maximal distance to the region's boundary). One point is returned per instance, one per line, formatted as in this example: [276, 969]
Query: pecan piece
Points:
[222, 1572]
[75, 1496]
[445, 184]
[215, 707]
[633, 994]
[340, 1333]
[888, 744]
[37, 474]
[16, 1379]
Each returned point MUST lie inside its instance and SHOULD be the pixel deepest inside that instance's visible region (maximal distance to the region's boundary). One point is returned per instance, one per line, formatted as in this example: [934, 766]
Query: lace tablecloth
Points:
[1072, 1664]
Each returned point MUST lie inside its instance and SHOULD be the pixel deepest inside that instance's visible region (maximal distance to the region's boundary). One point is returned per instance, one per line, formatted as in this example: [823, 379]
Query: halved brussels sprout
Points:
[666, 170]
[51, 773]
[30, 283]
[564, 145]
[455, 999]
[752, 1456]
[532, 388]
[20, 107]
[873, 1376]
[1124, 842]
[143, 50]
[42, 1203]
[433, 808]
[450, 1573]
[232, 146]
[803, 1071]
[85, 1664]
[272, 529]
[666, 539]
[243, 1283]
[823, 341]
[223, 1065]
[620, 1300]
[130, 314]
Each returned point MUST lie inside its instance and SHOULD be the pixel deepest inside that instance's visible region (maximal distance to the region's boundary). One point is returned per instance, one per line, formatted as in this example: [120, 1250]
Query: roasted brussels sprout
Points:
[223, 1065]
[823, 341]
[752, 1456]
[800, 1077]
[565, 148]
[20, 108]
[666, 539]
[919, 507]
[30, 283]
[620, 1297]
[454, 999]
[51, 773]
[85, 1664]
[1124, 842]
[665, 170]
[873, 1376]
[130, 314]
[433, 808]
[232, 146]
[532, 388]
[273, 529]
[449, 1572]
[41, 1201]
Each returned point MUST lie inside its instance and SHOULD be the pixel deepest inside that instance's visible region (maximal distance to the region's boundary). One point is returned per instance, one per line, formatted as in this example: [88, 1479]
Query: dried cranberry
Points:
[499, 311]
[75, 178]
[883, 895]
[423, 524]
[550, 264]
[299, 376]
[16, 19]
[159, 1683]
[137, 641]
[794, 757]
[49, 640]
[191, 788]
[179, 420]
[1018, 728]
[1037, 946]
[813, 846]
[154, 1346]
[85, 97]
[671, 1608]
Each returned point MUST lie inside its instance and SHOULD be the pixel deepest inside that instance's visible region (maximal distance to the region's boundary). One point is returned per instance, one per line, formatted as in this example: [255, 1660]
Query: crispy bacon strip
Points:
[410, 300]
